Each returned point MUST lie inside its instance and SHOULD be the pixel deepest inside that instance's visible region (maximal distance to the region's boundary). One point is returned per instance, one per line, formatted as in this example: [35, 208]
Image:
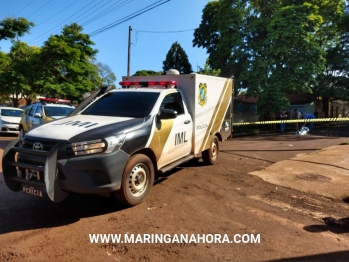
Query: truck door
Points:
[30, 117]
[177, 132]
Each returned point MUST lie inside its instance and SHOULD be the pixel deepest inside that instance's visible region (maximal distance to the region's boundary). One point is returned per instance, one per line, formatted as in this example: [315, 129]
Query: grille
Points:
[47, 146]
[28, 143]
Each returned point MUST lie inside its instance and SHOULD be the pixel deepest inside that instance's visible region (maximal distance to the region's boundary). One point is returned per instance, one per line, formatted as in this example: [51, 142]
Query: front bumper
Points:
[93, 174]
[9, 128]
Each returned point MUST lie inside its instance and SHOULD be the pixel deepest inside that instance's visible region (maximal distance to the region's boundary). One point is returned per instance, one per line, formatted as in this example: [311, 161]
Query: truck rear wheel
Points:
[210, 156]
[137, 180]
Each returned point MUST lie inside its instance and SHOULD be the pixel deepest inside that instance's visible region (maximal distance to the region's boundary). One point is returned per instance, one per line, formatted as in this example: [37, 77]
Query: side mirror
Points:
[37, 115]
[167, 114]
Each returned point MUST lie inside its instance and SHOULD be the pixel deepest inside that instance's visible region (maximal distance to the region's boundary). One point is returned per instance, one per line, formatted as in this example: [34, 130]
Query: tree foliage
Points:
[19, 71]
[105, 74]
[176, 58]
[272, 47]
[63, 67]
[66, 67]
[147, 73]
[207, 70]
[334, 81]
[11, 28]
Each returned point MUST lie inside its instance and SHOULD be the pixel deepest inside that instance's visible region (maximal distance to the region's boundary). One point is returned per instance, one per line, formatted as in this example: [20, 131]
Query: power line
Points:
[129, 17]
[116, 22]
[160, 32]
[24, 8]
[91, 8]
[91, 20]
[164, 32]
[36, 40]
[39, 9]
[107, 11]
[57, 13]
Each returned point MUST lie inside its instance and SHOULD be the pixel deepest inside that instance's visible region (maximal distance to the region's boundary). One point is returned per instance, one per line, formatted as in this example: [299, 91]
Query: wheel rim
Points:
[214, 150]
[138, 179]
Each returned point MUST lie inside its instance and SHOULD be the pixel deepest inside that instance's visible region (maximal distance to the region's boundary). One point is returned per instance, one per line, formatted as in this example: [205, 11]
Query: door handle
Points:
[187, 122]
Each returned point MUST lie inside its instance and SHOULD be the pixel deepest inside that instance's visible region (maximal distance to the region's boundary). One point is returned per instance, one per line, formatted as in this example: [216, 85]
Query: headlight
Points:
[114, 143]
[5, 122]
[88, 147]
[107, 145]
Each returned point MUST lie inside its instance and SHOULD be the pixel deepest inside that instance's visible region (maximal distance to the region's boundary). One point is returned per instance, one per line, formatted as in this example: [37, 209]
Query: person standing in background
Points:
[296, 116]
[283, 116]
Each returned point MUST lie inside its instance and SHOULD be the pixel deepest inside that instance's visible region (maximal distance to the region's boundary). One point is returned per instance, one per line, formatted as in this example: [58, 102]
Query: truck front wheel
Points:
[210, 156]
[137, 180]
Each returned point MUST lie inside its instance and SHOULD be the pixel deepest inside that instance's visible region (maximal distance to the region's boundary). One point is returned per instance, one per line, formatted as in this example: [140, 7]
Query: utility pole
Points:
[129, 50]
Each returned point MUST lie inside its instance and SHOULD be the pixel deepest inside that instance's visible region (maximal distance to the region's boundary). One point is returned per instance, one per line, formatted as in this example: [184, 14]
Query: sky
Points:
[153, 31]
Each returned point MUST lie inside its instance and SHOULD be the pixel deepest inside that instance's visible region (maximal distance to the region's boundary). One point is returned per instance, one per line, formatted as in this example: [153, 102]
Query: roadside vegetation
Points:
[277, 47]
[271, 49]
[64, 66]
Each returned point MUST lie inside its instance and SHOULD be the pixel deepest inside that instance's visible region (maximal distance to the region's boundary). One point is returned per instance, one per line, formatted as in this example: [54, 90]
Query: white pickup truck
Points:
[118, 143]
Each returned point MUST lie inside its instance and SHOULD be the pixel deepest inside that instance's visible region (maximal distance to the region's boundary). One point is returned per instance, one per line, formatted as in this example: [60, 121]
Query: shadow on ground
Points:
[337, 226]
[332, 256]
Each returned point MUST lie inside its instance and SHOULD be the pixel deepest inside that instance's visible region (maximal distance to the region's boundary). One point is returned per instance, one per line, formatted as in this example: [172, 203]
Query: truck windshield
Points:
[123, 104]
[57, 111]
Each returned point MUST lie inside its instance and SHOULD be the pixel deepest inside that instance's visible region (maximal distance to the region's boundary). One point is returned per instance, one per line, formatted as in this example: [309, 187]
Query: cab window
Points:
[38, 109]
[31, 111]
[173, 101]
[26, 110]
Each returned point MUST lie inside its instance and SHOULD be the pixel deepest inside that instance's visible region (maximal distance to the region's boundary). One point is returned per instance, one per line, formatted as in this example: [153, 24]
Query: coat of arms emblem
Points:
[202, 99]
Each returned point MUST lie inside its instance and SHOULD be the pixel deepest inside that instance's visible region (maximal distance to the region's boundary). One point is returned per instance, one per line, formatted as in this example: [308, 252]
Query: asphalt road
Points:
[193, 199]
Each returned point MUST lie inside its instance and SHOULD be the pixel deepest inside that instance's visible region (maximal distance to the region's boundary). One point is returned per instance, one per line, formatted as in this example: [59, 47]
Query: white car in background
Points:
[9, 119]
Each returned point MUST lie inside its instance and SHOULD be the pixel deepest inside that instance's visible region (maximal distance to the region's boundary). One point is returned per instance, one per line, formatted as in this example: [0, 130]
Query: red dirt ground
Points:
[192, 199]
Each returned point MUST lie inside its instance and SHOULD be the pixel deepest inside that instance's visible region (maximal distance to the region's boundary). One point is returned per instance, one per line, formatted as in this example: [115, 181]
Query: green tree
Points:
[11, 28]
[5, 71]
[66, 67]
[147, 73]
[176, 58]
[272, 47]
[334, 81]
[19, 71]
[207, 70]
[106, 74]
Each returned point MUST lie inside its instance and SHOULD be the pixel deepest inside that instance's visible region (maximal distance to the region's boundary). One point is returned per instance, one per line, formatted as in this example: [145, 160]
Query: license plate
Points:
[33, 190]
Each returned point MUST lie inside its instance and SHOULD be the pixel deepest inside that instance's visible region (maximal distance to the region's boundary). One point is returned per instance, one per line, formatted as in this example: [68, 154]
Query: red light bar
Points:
[54, 100]
[148, 83]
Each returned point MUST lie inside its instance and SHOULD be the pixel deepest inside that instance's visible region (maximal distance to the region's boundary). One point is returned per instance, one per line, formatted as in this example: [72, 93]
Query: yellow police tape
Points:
[294, 121]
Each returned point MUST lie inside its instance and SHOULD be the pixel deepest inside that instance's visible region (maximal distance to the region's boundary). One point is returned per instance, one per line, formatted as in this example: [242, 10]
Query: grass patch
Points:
[319, 148]
[345, 143]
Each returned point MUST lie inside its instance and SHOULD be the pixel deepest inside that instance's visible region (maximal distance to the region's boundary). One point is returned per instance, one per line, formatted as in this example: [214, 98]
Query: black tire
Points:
[136, 181]
[210, 156]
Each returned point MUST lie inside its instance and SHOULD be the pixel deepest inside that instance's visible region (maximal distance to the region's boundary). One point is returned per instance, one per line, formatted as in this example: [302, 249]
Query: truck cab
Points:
[122, 140]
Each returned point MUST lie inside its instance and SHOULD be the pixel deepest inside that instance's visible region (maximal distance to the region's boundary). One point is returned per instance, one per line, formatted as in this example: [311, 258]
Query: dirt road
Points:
[194, 199]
